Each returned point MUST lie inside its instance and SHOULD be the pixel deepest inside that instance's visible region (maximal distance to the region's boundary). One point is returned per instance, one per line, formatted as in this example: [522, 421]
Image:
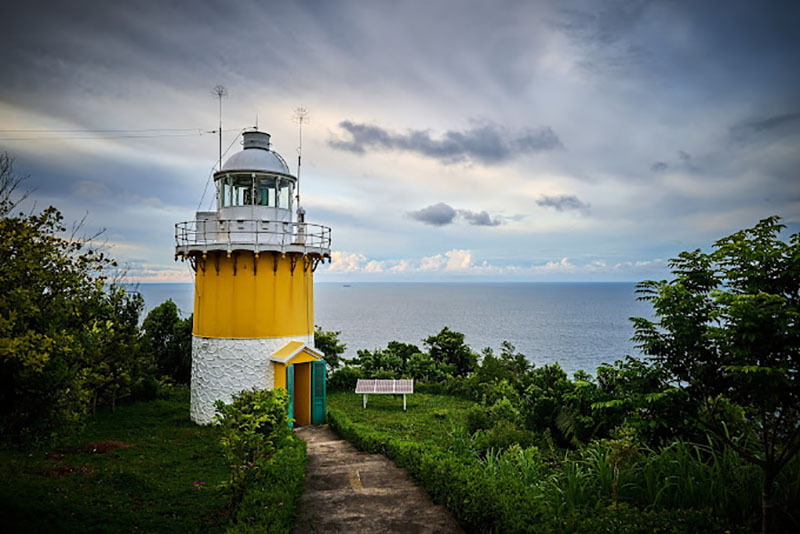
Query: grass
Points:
[146, 488]
[428, 419]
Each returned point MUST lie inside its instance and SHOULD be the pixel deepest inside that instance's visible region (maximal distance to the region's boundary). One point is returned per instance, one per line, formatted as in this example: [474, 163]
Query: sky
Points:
[447, 140]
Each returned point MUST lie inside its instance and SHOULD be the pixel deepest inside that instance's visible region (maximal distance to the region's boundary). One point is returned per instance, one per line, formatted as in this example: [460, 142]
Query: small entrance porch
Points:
[300, 369]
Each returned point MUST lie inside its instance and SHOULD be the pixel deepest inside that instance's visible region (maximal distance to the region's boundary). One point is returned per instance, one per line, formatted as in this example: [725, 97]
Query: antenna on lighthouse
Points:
[300, 116]
[220, 91]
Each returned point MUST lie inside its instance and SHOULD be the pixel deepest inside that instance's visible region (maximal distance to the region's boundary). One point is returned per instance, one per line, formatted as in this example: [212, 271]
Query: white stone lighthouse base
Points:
[223, 367]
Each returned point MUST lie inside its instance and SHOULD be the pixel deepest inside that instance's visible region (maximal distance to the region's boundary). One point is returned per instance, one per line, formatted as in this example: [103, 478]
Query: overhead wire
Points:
[146, 133]
[211, 172]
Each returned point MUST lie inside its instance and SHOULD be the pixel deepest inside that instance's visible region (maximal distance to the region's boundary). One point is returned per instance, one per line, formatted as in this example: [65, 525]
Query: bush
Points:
[253, 425]
[478, 419]
[168, 339]
[344, 379]
[270, 502]
[680, 488]
[268, 461]
[329, 344]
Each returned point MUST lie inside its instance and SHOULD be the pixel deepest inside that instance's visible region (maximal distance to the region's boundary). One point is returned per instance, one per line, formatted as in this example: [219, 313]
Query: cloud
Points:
[400, 267]
[554, 266]
[373, 267]
[460, 263]
[441, 214]
[431, 263]
[659, 166]
[438, 214]
[480, 218]
[458, 260]
[563, 202]
[91, 190]
[486, 143]
[346, 262]
[757, 127]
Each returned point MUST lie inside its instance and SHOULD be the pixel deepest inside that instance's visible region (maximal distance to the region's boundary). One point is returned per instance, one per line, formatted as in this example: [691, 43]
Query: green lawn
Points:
[429, 418]
[146, 488]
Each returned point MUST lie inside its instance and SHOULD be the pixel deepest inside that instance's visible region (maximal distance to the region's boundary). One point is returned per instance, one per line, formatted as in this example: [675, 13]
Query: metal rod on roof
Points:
[220, 91]
[300, 116]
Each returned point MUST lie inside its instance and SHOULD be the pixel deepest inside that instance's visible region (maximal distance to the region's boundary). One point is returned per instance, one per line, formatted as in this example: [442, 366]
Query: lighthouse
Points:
[253, 264]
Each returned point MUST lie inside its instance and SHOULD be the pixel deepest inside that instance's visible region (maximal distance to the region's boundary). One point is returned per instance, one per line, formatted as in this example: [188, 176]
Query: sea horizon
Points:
[576, 324]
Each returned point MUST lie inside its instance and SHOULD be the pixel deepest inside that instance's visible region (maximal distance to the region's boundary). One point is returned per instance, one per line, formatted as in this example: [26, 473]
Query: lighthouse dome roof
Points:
[256, 156]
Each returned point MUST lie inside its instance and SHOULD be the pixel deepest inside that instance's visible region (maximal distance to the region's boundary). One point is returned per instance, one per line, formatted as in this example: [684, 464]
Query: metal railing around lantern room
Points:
[253, 235]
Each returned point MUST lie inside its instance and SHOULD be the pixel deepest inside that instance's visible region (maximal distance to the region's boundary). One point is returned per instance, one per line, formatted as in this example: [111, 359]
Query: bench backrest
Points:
[384, 386]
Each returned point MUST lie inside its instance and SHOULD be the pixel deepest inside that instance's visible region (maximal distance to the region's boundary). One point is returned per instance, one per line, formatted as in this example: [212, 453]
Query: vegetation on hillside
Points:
[267, 461]
[145, 468]
[707, 426]
[71, 346]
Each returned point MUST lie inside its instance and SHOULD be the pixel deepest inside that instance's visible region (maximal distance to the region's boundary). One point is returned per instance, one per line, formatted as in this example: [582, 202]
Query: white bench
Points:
[385, 387]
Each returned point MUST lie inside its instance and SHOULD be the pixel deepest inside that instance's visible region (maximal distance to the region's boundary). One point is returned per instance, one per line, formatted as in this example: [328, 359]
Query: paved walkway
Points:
[352, 491]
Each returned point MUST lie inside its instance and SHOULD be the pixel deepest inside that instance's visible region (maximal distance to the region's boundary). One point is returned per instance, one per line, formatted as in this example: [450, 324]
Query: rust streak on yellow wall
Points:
[268, 303]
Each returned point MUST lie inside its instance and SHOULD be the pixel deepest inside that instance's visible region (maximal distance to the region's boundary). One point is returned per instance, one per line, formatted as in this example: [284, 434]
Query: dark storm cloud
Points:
[486, 143]
[436, 214]
[480, 218]
[756, 128]
[659, 166]
[442, 214]
[563, 202]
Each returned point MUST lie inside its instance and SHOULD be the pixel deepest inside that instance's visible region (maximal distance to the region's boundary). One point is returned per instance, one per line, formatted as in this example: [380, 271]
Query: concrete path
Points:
[352, 491]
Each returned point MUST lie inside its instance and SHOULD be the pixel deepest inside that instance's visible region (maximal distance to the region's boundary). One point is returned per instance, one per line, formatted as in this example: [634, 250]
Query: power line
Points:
[100, 138]
[211, 173]
[99, 130]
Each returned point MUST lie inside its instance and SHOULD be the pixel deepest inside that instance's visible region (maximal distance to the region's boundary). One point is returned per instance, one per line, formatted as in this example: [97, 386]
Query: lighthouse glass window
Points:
[265, 192]
[285, 194]
[242, 190]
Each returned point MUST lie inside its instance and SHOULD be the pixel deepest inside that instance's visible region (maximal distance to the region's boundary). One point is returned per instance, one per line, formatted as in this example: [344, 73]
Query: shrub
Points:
[478, 419]
[680, 488]
[269, 503]
[168, 338]
[252, 426]
[344, 379]
[330, 345]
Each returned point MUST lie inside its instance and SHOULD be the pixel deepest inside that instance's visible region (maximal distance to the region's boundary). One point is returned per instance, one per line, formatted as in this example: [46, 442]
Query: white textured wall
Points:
[224, 367]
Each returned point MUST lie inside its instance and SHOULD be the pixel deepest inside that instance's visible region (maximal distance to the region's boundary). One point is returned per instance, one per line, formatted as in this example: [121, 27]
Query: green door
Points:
[290, 389]
[317, 393]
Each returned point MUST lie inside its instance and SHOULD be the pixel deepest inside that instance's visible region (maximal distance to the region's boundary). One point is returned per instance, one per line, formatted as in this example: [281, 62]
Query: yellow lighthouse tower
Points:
[254, 287]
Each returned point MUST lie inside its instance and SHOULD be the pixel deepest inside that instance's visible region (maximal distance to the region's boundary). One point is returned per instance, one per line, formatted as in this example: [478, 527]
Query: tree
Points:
[50, 287]
[113, 360]
[726, 332]
[448, 348]
[67, 335]
[328, 343]
[167, 338]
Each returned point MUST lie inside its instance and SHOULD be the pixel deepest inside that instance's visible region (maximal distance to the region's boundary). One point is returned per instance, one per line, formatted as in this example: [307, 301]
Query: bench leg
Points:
[365, 401]
[404, 402]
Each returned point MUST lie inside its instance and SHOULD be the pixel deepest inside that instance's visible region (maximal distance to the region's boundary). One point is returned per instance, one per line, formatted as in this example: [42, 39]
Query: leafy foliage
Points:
[448, 349]
[252, 427]
[331, 347]
[678, 487]
[68, 338]
[727, 335]
[168, 339]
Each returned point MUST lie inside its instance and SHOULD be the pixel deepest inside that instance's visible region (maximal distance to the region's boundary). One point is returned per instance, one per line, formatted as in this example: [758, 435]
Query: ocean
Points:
[578, 325]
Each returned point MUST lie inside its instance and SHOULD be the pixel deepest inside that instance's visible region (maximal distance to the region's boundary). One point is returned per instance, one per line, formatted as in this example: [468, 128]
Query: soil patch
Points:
[68, 471]
[105, 446]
